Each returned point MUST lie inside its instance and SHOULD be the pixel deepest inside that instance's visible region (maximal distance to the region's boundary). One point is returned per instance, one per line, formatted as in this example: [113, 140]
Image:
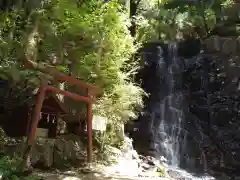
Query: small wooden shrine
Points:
[47, 88]
[17, 124]
[51, 111]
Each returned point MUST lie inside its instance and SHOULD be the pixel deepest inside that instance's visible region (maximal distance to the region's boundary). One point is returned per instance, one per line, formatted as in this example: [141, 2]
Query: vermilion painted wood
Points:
[37, 111]
[36, 117]
[69, 94]
[89, 129]
[74, 96]
[61, 77]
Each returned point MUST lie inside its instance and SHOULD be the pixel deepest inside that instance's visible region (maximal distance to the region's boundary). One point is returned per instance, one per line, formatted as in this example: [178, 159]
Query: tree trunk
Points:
[133, 12]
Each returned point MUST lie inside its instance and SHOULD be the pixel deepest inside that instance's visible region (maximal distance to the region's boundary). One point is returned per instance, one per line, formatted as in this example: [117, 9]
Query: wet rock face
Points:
[211, 88]
[216, 109]
[157, 80]
[225, 45]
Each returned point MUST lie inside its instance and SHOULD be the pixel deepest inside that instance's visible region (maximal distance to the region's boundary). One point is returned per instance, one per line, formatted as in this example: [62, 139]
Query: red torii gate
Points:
[91, 91]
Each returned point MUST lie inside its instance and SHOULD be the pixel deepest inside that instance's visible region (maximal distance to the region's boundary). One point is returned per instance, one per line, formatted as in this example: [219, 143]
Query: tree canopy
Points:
[89, 40]
[163, 20]
[95, 41]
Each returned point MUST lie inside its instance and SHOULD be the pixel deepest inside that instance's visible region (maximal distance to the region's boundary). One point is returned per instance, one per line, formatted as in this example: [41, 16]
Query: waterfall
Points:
[175, 123]
[167, 113]
[168, 107]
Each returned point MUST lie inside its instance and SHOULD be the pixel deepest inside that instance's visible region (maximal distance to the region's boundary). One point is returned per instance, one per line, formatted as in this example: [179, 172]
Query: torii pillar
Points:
[40, 98]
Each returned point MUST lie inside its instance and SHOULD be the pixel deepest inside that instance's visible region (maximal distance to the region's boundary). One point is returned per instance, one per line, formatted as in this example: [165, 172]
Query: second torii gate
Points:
[44, 87]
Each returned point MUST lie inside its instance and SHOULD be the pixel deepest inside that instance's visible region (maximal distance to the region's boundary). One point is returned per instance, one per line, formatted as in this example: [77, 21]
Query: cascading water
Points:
[168, 135]
[168, 111]
[192, 111]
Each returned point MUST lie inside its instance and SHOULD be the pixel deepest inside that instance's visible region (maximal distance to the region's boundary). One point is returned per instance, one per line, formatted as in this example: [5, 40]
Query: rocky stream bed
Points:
[128, 166]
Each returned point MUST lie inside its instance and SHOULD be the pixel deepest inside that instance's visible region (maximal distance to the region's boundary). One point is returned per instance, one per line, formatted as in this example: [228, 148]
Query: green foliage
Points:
[2, 139]
[8, 166]
[101, 47]
[161, 172]
[104, 141]
[111, 137]
[9, 169]
[163, 20]
[2, 135]
[92, 38]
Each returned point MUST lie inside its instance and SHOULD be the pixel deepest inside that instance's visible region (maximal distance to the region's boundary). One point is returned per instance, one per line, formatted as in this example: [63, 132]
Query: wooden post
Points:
[56, 124]
[26, 166]
[89, 130]
[60, 77]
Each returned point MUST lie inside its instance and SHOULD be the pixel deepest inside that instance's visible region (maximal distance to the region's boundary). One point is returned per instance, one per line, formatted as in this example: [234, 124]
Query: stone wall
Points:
[46, 153]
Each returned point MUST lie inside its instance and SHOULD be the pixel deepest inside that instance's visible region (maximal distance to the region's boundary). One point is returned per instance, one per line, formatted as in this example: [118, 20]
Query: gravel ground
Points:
[84, 174]
[94, 176]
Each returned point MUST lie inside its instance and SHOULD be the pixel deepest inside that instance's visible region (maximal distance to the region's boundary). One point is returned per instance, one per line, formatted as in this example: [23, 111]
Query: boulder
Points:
[135, 154]
[42, 153]
[163, 159]
[68, 149]
[174, 174]
[114, 151]
[152, 161]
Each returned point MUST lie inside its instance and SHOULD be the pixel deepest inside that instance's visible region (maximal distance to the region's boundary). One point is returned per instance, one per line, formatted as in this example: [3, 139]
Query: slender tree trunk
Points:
[133, 12]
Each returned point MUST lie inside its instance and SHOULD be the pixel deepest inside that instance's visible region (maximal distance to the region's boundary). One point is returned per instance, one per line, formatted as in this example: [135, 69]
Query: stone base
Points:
[60, 153]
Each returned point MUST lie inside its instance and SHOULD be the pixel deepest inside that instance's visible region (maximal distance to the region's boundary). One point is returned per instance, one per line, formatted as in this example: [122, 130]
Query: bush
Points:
[2, 139]
[161, 172]
[9, 169]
